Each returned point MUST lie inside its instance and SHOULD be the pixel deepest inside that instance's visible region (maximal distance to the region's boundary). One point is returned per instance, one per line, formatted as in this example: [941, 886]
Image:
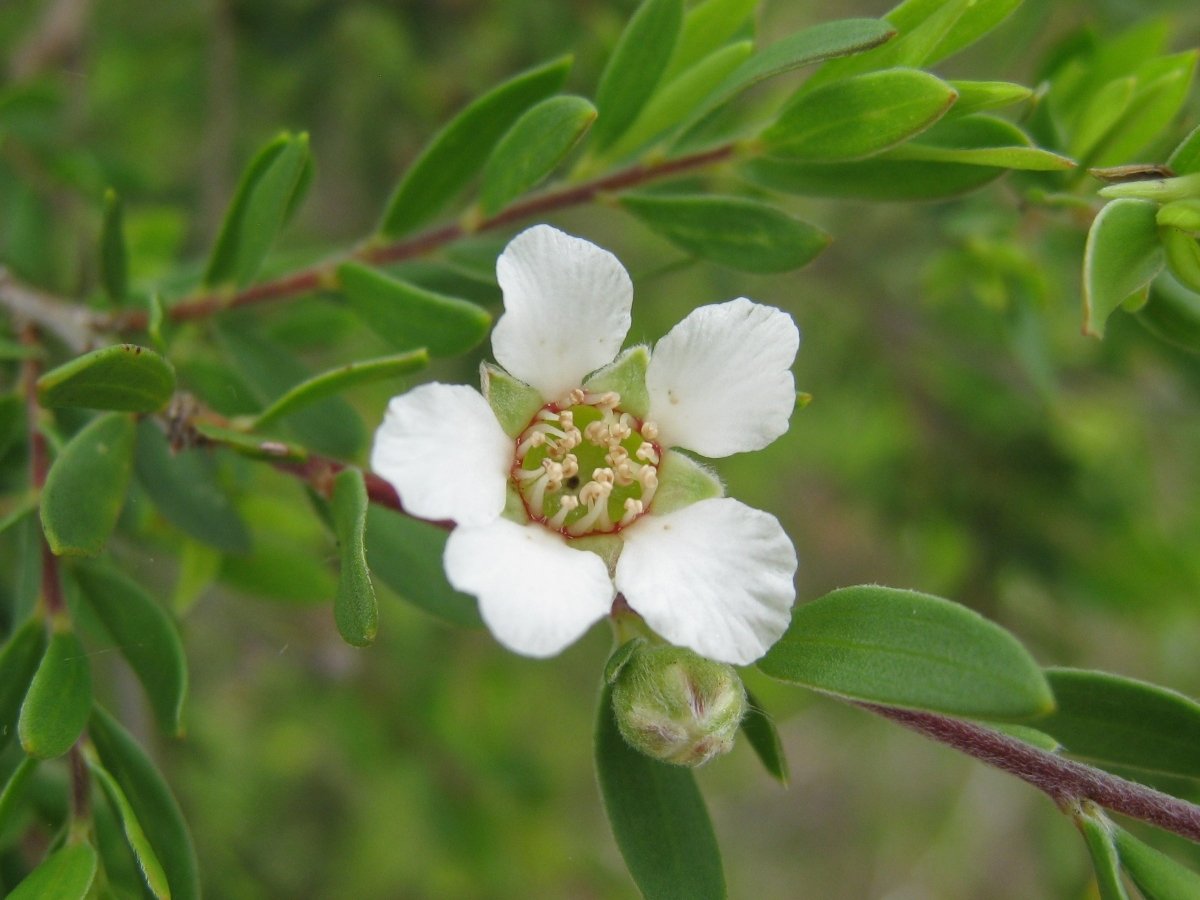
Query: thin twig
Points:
[71, 323]
[1064, 781]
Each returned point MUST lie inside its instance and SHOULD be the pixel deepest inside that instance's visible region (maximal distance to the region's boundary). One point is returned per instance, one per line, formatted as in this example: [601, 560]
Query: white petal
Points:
[536, 593]
[442, 449]
[715, 576]
[566, 309]
[720, 380]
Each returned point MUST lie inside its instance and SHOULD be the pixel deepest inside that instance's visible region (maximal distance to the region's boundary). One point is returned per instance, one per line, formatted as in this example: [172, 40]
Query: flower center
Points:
[585, 466]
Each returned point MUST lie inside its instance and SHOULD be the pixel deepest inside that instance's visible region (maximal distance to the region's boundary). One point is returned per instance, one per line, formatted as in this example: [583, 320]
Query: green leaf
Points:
[458, 151]
[329, 425]
[677, 99]
[146, 636]
[1163, 87]
[860, 116]
[1122, 722]
[86, 486]
[737, 232]
[406, 555]
[14, 790]
[1156, 875]
[1182, 255]
[657, 817]
[977, 19]
[66, 874]
[185, 490]
[123, 377]
[828, 40]
[885, 178]
[512, 400]
[626, 375]
[1104, 109]
[327, 384]
[354, 609]
[707, 27]
[1121, 258]
[1097, 832]
[1033, 159]
[1185, 159]
[56, 707]
[19, 659]
[1181, 214]
[974, 96]
[408, 316]
[114, 258]
[269, 191]
[759, 730]
[152, 803]
[151, 868]
[532, 148]
[1172, 313]
[903, 648]
[250, 445]
[635, 67]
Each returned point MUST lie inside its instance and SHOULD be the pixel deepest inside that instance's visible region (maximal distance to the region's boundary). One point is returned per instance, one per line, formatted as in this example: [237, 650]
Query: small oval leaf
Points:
[327, 384]
[406, 555]
[903, 648]
[657, 816]
[1185, 159]
[1118, 721]
[635, 67]
[185, 489]
[860, 116]
[59, 699]
[408, 316]
[151, 868]
[66, 874]
[19, 659]
[124, 377]
[759, 730]
[459, 150]
[1156, 875]
[1172, 313]
[354, 609]
[1121, 258]
[532, 148]
[86, 486]
[151, 801]
[1097, 832]
[737, 232]
[146, 636]
[268, 193]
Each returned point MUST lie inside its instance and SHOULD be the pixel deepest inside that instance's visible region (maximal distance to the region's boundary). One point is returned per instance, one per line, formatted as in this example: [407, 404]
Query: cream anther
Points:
[633, 509]
[616, 455]
[603, 476]
[646, 453]
[576, 397]
[596, 432]
[617, 432]
[569, 503]
[649, 431]
[570, 466]
[624, 474]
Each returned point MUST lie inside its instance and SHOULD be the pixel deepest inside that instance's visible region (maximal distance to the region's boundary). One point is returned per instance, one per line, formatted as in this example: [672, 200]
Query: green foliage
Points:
[114, 256]
[1156, 875]
[271, 188]
[1098, 835]
[760, 732]
[459, 151]
[658, 818]
[407, 316]
[55, 710]
[1122, 722]
[1122, 257]
[19, 660]
[733, 231]
[124, 377]
[902, 648]
[145, 635]
[66, 874]
[151, 868]
[354, 607]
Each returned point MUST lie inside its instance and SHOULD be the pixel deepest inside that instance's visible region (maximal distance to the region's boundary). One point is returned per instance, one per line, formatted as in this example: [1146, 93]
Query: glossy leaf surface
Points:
[66, 874]
[56, 707]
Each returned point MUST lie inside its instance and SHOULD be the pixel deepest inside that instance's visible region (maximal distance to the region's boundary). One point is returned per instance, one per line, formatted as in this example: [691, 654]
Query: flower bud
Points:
[676, 706]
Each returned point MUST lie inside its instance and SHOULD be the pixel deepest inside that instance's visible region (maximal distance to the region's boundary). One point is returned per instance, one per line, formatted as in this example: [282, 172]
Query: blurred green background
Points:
[964, 440]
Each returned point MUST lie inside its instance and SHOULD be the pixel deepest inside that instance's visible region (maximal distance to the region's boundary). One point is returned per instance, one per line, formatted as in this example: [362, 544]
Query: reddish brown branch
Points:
[1063, 780]
[308, 280]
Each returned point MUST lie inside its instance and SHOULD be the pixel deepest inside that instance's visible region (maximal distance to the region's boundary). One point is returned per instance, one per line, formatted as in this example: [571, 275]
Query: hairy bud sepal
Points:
[676, 706]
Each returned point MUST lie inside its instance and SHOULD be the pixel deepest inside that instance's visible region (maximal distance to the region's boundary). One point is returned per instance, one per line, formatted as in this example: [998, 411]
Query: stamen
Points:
[570, 466]
[534, 440]
[649, 430]
[603, 476]
[616, 455]
[617, 432]
[569, 503]
[575, 398]
[595, 494]
[633, 509]
[624, 473]
[646, 453]
[596, 432]
[648, 477]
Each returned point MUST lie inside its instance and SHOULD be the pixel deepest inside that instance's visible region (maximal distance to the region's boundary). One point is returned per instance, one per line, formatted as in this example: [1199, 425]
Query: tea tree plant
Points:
[150, 416]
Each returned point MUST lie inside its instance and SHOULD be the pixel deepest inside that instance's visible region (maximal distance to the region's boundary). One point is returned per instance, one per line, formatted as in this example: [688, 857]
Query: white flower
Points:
[580, 447]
